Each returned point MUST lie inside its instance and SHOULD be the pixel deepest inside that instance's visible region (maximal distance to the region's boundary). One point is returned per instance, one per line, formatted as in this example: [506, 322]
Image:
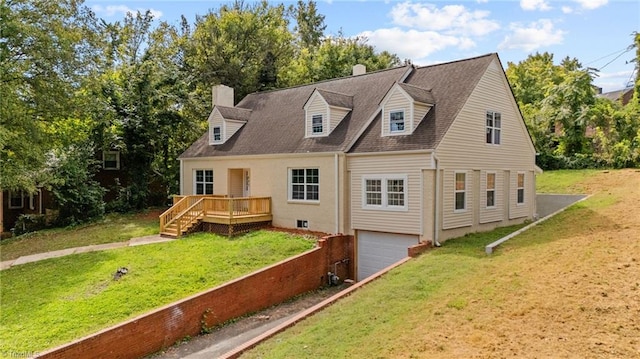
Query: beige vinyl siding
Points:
[231, 127]
[337, 114]
[461, 218]
[419, 111]
[464, 144]
[396, 100]
[521, 210]
[216, 120]
[495, 213]
[270, 177]
[316, 106]
[407, 221]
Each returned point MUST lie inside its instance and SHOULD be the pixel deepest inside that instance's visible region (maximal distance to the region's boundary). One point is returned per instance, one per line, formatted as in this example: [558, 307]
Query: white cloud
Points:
[414, 44]
[567, 10]
[112, 10]
[541, 5]
[533, 36]
[482, 1]
[591, 4]
[450, 19]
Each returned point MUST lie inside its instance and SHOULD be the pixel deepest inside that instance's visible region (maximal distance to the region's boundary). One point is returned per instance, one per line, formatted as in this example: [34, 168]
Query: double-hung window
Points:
[111, 160]
[493, 125]
[396, 121]
[491, 190]
[385, 192]
[520, 188]
[460, 191]
[304, 184]
[16, 199]
[217, 134]
[203, 182]
[317, 127]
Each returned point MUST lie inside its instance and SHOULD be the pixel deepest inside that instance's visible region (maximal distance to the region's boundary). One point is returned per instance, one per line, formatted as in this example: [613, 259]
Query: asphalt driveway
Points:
[547, 204]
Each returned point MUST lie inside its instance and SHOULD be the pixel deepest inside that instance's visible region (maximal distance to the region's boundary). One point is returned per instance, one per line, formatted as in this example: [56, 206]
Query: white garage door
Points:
[377, 250]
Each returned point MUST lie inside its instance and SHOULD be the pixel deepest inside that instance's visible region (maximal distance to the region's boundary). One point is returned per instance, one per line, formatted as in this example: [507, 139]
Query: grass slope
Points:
[48, 303]
[570, 287]
[112, 228]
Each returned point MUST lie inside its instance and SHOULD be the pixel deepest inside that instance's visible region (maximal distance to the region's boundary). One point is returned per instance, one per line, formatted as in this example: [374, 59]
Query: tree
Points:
[243, 47]
[335, 57]
[44, 51]
[310, 25]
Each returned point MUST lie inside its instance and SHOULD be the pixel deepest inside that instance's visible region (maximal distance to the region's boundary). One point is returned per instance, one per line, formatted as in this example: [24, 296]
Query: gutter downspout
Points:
[436, 218]
[337, 190]
[181, 177]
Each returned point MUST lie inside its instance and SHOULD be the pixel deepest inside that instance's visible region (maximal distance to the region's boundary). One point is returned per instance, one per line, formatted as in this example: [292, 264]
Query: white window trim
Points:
[213, 135]
[195, 182]
[21, 200]
[117, 153]
[384, 206]
[523, 188]
[465, 191]
[493, 128]
[290, 185]
[495, 189]
[404, 119]
[324, 125]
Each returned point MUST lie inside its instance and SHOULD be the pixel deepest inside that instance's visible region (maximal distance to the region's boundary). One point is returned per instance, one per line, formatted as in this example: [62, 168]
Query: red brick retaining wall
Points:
[161, 328]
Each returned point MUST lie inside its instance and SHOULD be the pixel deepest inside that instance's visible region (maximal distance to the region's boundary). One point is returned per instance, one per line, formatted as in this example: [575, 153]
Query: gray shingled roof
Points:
[234, 113]
[277, 125]
[337, 99]
[451, 84]
[419, 94]
[276, 121]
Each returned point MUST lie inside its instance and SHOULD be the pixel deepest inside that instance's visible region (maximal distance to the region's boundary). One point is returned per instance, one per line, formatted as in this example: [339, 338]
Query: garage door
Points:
[377, 250]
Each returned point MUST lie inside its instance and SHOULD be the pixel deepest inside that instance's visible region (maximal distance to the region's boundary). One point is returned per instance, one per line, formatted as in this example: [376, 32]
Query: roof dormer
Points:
[225, 119]
[403, 108]
[324, 110]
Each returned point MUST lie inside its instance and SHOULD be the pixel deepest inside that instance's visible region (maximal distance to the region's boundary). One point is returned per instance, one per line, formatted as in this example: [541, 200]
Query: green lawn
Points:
[112, 228]
[564, 181]
[48, 303]
[553, 291]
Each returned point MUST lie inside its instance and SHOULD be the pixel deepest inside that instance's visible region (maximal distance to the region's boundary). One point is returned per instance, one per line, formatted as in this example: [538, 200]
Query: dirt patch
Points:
[577, 296]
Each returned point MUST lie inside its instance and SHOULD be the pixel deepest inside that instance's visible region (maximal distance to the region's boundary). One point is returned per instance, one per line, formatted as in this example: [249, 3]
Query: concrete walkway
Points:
[155, 238]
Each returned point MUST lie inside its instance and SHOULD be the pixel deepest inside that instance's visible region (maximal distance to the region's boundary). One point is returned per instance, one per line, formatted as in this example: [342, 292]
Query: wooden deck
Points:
[189, 212]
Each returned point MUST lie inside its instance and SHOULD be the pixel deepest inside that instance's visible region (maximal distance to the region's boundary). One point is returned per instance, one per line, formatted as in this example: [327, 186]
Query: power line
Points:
[615, 58]
[605, 56]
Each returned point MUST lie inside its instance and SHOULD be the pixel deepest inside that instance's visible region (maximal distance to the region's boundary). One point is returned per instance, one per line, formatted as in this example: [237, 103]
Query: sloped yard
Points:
[54, 301]
[568, 288]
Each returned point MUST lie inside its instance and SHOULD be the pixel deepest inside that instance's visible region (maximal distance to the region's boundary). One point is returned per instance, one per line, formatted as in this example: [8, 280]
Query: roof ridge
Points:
[329, 80]
[333, 92]
[460, 60]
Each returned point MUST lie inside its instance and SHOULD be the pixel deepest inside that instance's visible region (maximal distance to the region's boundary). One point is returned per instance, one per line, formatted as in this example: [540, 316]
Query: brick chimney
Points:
[222, 95]
[359, 69]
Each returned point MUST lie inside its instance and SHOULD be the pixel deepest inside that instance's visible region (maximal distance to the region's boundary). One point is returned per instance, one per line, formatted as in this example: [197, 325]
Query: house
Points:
[15, 203]
[395, 157]
[624, 95]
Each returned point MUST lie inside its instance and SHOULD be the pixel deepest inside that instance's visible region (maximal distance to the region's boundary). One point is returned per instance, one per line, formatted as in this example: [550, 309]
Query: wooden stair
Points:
[181, 221]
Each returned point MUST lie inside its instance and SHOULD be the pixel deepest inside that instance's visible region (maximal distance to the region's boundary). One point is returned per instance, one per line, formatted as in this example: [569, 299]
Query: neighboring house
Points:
[623, 96]
[395, 157]
[15, 203]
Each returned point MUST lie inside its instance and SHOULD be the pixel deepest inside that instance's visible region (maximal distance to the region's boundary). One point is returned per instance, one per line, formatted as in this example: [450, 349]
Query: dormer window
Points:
[403, 109]
[396, 121]
[323, 112]
[217, 134]
[317, 127]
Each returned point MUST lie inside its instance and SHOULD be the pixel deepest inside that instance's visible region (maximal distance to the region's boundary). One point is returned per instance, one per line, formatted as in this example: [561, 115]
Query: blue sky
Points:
[597, 32]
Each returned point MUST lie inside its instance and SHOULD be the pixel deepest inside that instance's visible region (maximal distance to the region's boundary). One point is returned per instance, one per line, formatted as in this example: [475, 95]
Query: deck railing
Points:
[187, 209]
